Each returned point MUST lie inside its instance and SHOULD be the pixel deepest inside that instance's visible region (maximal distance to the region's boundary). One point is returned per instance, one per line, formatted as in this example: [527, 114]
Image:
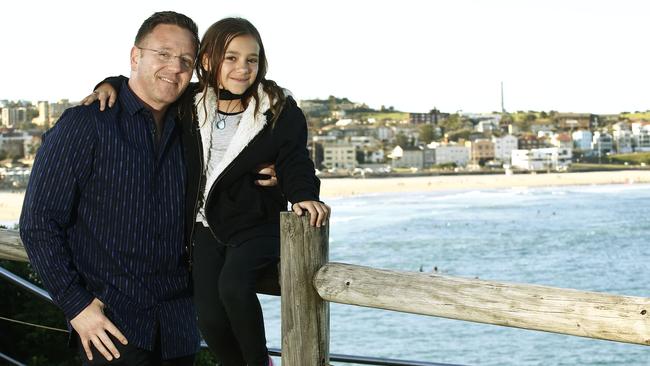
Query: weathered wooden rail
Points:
[309, 282]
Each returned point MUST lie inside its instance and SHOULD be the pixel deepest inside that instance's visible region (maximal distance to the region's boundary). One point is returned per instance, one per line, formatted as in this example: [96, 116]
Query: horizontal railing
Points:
[11, 248]
[309, 281]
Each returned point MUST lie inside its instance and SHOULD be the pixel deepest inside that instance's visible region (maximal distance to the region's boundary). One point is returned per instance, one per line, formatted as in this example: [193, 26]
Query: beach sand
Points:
[11, 202]
[344, 187]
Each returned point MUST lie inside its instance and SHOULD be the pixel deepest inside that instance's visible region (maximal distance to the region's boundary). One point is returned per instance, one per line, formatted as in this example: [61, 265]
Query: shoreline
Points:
[346, 187]
[11, 201]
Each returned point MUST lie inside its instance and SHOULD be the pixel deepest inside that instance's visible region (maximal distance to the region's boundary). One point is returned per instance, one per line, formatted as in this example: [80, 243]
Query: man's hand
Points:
[318, 212]
[104, 93]
[92, 325]
[269, 179]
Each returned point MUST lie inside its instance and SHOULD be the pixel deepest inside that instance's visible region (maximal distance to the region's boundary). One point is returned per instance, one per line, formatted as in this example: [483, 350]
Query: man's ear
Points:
[135, 58]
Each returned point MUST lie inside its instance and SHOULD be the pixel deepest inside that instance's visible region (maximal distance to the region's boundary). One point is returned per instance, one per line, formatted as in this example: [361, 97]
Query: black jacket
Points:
[237, 209]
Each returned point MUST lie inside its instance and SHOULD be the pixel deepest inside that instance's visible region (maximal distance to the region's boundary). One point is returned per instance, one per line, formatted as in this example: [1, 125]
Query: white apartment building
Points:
[385, 133]
[363, 141]
[450, 153]
[342, 156]
[43, 114]
[487, 126]
[57, 109]
[408, 157]
[503, 147]
[622, 140]
[641, 136]
[602, 143]
[549, 158]
[582, 140]
[13, 116]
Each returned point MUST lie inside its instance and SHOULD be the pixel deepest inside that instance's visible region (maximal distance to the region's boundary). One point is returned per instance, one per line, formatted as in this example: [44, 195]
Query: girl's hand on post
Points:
[318, 212]
[103, 93]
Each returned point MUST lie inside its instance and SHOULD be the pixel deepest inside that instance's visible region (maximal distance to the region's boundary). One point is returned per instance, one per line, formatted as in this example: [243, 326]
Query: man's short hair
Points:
[168, 17]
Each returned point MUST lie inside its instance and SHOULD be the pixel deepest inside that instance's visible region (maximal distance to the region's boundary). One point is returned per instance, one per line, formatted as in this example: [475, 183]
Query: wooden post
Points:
[579, 313]
[305, 316]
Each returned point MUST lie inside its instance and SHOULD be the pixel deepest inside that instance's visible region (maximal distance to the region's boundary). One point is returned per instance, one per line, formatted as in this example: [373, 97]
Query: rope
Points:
[33, 325]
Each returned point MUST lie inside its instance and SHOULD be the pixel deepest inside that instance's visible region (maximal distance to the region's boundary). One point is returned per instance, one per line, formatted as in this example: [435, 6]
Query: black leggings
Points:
[230, 315]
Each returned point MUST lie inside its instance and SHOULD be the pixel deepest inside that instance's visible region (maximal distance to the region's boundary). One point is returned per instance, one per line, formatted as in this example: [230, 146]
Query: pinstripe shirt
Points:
[103, 217]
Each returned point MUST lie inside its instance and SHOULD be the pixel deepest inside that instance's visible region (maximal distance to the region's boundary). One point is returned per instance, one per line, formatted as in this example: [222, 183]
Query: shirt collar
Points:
[130, 102]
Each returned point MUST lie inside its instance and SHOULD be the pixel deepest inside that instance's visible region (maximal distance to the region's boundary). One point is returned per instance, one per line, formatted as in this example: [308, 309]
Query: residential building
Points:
[487, 126]
[582, 140]
[481, 150]
[562, 140]
[432, 117]
[602, 143]
[341, 156]
[450, 153]
[57, 109]
[384, 133]
[641, 136]
[623, 138]
[572, 121]
[503, 147]
[527, 142]
[550, 158]
[13, 143]
[43, 114]
[12, 116]
[542, 126]
[408, 157]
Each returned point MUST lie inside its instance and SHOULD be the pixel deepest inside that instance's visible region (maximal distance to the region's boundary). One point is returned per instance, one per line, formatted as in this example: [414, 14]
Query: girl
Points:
[232, 121]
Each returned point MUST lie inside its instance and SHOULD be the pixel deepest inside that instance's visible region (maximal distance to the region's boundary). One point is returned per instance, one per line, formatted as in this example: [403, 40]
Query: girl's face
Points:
[240, 64]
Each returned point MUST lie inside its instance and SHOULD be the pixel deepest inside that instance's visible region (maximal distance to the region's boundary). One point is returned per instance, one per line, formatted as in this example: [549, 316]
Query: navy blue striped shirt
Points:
[103, 217]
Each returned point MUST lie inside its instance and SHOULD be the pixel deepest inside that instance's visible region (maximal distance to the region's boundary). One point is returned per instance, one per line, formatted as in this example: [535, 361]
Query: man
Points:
[102, 220]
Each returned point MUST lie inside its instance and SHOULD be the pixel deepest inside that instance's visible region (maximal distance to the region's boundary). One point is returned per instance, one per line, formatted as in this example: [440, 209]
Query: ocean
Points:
[591, 238]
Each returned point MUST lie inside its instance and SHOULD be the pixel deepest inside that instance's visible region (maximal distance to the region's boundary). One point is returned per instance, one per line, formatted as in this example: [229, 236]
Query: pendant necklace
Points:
[223, 116]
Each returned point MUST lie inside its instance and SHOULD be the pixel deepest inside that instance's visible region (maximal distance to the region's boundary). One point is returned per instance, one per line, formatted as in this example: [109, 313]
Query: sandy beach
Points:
[11, 202]
[352, 186]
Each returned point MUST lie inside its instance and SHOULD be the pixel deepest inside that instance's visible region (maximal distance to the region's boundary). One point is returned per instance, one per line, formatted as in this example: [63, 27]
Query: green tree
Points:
[427, 133]
[401, 140]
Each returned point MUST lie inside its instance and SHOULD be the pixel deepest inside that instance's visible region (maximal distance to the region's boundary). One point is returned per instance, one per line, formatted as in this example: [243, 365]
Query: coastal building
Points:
[544, 126]
[562, 140]
[550, 158]
[384, 133]
[481, 150]
[622, 136]
[527, 142]
[602, 143]
[450, 153]
[582, 140]
[11, 116]
[574, 121]
[487, 126]
[432, 117]
[13, 144]
[43, 114]
[641, 136]
[339, 156]
[408, 157]
[503, 147]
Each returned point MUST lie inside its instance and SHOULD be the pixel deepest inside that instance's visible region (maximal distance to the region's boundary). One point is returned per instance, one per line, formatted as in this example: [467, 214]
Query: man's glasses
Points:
[167, 57]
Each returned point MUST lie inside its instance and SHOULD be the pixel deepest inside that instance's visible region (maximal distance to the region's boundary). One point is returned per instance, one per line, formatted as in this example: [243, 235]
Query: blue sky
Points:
[571, 55]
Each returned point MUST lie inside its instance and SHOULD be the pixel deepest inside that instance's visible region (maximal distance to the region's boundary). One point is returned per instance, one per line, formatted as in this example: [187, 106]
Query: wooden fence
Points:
[309, 282]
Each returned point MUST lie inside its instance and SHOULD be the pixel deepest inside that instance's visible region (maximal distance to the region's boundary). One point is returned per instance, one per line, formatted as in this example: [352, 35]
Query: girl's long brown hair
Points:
[213, 48]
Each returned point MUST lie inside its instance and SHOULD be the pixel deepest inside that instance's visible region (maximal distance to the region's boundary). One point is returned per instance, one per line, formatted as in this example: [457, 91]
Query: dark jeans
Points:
[133, 356]
[230, 315]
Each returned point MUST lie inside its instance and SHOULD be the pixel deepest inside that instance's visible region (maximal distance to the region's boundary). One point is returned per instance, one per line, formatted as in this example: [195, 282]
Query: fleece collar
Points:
[250, 125]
